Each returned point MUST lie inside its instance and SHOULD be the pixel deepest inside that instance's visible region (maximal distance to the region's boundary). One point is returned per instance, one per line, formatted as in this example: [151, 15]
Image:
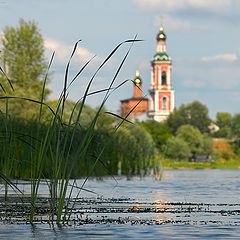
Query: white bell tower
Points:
[161, 92]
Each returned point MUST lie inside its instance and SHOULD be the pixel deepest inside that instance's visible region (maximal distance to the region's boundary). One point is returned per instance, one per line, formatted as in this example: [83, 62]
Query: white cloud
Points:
[227, 57]
[63, 51]
[177, 5]
[173, 23]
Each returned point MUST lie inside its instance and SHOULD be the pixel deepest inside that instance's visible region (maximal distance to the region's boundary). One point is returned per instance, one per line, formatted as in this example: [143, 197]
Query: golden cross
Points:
[161, 21]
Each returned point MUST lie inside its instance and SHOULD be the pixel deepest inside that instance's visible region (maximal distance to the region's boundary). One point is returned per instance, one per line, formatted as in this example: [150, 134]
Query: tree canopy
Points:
[177, 149]
[223, 121]
[235, 127]
[195, 114]
[22, 58]
[193, 137]
[160, 132]
[188, 144]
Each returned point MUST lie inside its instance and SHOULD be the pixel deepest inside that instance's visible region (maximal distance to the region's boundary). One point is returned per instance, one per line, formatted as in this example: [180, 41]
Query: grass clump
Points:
[55, 150]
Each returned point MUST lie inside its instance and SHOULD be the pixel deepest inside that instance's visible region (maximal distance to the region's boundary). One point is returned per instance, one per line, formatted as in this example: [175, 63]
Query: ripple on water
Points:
[186, 204]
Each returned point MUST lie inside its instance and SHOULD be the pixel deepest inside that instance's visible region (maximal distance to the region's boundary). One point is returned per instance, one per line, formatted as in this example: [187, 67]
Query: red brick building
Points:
[137, 105]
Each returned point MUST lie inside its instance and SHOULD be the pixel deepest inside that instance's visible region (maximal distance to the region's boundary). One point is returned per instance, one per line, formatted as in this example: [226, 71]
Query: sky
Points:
[202, 40]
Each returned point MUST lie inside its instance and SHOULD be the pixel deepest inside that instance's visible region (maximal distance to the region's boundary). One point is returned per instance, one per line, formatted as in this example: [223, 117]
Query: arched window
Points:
[164, 103]
[164, 78]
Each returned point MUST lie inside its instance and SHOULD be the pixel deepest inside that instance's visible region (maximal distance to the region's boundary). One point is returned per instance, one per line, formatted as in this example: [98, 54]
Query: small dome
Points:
[161, 35]
[137, 80]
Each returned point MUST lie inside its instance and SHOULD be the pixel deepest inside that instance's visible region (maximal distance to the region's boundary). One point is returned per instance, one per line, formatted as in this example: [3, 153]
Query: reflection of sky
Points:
[202, 41]
[197, 186]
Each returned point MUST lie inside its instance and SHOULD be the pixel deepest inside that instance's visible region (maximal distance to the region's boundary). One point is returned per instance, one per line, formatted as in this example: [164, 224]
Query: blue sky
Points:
[203, 42]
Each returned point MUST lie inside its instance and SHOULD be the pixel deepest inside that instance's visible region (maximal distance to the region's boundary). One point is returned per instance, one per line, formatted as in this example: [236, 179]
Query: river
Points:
[184, 204]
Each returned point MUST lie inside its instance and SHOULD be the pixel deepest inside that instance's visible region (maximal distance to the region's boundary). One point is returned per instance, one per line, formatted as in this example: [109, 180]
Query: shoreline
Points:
[218, 164]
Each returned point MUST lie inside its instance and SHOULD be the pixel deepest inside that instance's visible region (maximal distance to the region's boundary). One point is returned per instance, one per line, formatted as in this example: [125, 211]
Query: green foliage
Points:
[235, 133]
[193, 137]
[130, 150]
[195, 114]
[160, 132]
[177, 149]
[188, 144]
[218, 164]
[23, 54]
[131, 145]
[23, 61]
[105, 121]
[223, 121]
[144, 147]
[235, 126]
[223, 132]
[18, 144]
[207, 145]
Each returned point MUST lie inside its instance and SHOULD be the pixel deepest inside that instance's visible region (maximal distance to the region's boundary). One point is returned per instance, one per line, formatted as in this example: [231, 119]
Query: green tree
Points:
[193, 137]
[235, 128]
[195, 114]
[160, 132]
[139, 148]
[177, 149]
[178, 118]
[207, 145]
[223, 121]
[189, 143]
[23, 60]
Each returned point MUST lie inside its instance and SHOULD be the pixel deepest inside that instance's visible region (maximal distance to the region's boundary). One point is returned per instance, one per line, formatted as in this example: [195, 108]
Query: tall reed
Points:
[57, 150]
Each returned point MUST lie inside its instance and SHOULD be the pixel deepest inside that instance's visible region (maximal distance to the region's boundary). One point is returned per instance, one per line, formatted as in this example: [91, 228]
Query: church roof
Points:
[134, 99]
[161, 57]
[161, 35]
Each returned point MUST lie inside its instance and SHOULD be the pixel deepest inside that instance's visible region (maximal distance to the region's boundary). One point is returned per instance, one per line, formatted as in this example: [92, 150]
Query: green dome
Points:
[161, 57]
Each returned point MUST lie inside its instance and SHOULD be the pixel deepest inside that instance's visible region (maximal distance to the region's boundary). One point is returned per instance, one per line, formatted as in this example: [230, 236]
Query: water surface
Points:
[185, 204]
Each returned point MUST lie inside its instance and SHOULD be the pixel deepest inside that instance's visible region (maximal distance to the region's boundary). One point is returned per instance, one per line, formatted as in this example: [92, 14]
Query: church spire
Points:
[138, 80]
[137, 88]
[161, 41]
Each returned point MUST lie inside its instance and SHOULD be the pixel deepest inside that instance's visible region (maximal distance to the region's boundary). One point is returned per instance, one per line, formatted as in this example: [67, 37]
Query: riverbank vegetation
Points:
[216, 164]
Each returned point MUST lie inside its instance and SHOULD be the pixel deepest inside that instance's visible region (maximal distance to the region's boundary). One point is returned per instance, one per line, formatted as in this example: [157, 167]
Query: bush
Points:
[177, 149]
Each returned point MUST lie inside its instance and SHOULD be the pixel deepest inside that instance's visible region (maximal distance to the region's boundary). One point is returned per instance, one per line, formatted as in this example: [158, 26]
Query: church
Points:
[160, 102]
